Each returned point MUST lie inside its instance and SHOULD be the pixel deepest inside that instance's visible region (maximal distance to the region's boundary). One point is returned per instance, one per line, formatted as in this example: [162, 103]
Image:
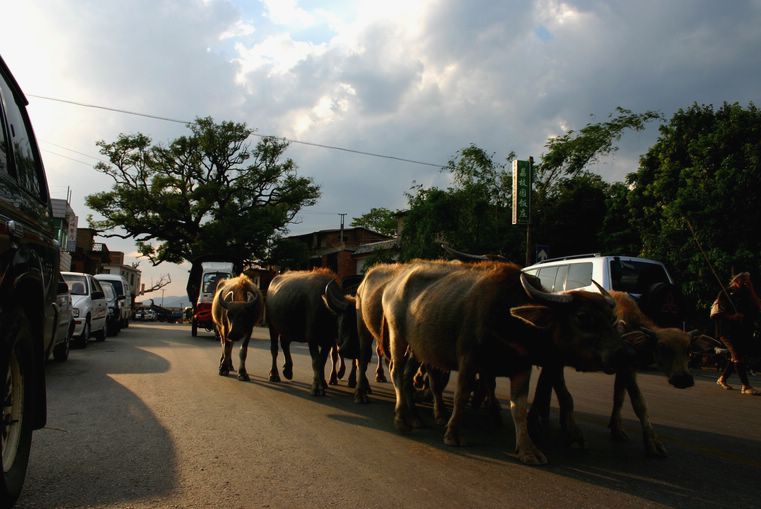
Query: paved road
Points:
[143, 420]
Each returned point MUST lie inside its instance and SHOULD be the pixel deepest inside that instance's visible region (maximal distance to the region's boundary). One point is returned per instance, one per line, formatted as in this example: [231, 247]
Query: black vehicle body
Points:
[29, 270]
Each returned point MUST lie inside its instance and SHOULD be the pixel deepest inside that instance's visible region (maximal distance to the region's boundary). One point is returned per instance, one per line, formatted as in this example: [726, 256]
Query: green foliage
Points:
[473, 215]
[379, 220]
[572, 152]
[705, 168]
[290, 254]
[205, 192]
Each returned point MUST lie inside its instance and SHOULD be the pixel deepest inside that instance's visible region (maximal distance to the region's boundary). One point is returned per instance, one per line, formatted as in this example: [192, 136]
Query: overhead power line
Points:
[289, 140]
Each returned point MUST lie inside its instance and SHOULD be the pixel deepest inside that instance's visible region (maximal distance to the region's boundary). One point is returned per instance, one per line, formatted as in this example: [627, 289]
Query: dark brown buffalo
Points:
[487, 318]
[308, 306]
[237, 306]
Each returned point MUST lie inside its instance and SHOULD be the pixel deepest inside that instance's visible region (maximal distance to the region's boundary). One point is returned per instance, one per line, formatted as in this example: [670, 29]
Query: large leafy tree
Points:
[473, 214]
[704, 171]
[207, 192]
[379, 219]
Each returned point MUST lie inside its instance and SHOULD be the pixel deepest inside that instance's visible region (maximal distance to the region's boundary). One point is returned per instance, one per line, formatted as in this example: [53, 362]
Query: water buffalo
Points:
[668, 348]
[308, 306]
[370, 322]
[237, 306]
[488, 318]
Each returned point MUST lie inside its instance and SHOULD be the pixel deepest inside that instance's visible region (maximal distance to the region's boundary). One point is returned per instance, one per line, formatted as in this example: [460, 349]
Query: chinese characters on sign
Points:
[522, 180]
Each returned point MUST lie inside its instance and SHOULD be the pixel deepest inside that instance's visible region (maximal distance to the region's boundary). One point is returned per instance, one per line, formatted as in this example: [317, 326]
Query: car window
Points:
[118, 287]
[636, 276]
[77, 284]
[3, 145]
[547, 277]
[559, 284]
[210, 280]
[96, 285]
[579, 275]
[27, 167]
[109, 291]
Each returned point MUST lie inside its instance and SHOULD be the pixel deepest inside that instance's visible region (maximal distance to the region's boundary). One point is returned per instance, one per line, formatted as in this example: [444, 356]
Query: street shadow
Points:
[90, 454]
[702, 470]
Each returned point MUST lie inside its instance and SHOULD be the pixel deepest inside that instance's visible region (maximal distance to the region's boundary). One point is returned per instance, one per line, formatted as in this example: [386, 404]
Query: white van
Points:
[624, 273]
[123, 293]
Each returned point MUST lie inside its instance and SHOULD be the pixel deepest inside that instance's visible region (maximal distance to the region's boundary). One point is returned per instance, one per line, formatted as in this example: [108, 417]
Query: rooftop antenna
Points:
[342, 215]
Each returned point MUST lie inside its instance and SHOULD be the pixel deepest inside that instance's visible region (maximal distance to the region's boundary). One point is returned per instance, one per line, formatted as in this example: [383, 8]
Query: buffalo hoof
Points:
[402, 425]
[618, 435]
[441, 420]
[274, 377]
[360, 397]
[381, 378]
[243, 377]
[318, 390]
[333, 380]
[288, 372]
[653, 447]
[351, 383]
[532, 456]
[451, 438]
[574, 436]
[224, 371]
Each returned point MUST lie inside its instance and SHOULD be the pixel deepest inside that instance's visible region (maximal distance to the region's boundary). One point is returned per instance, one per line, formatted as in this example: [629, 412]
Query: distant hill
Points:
[170, 301]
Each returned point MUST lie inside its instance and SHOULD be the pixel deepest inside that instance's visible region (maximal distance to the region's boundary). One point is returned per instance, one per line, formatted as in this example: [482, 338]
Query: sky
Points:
[415, 80]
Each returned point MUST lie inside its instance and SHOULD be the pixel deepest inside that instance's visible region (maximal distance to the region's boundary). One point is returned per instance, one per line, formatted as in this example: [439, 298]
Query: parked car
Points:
[121, 286]
[630, 274]
[114, 313]
[90, 307]
[64, 329]
[29, 261]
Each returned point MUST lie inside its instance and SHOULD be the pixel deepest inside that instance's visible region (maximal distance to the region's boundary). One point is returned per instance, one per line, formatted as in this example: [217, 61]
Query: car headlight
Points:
[75, 312]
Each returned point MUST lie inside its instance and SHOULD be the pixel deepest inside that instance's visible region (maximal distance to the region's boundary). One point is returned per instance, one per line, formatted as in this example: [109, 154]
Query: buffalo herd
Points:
[481, 319]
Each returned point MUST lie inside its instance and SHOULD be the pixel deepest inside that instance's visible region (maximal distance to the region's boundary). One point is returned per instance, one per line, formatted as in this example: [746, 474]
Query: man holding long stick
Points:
[735, 311]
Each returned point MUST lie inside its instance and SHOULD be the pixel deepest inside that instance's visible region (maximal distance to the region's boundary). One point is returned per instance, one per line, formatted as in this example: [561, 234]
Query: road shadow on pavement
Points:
[102, 445]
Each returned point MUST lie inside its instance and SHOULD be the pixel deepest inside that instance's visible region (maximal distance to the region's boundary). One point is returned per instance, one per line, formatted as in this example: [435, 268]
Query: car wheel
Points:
[85, 337]
[15, 421]
[61, 350]
[101, 334]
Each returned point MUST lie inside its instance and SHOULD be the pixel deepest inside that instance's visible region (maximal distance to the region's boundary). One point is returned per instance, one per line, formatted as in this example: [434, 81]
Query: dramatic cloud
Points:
[417, 80]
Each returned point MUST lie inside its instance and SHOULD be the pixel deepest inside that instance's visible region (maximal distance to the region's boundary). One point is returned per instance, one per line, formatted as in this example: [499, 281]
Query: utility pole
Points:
[342, 215]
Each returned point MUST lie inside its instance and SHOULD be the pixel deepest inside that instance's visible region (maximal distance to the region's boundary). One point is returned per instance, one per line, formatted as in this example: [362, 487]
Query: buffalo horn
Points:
[608, 298]
[537, 294]
[335, 297]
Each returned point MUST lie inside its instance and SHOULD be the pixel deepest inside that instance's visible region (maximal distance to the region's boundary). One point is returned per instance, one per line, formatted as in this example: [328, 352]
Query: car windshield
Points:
[77, 284]
[108, 290]
[210, 280]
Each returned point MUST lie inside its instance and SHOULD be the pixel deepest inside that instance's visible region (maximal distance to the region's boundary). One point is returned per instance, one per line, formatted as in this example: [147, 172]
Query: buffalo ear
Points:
[535, 316]
[640, 340]
[702, 343]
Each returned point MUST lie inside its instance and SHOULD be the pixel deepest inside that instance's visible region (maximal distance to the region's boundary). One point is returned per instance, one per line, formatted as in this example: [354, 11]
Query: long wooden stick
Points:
[705, 257]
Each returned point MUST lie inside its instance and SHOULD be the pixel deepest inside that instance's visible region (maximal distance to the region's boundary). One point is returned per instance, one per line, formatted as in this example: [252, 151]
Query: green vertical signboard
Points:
[522, 181]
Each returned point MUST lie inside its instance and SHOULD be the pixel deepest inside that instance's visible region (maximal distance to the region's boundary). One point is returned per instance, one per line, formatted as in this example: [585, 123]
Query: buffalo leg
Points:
[274, 373]
[653, 446]
[365, 352]
[539, 414]
[616, 424]
[573, 434]
[527, 452]
[410, 368]
[319, 356]
[437, 382]
[226, 361]
[242, 354]
[352, 380]
[465, 376]
[398, 363]
[379, 374]
[338, 366]
[285, 344]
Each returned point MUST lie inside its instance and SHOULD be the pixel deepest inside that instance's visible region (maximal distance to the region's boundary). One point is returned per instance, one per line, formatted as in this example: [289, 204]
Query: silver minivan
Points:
[623, 273]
